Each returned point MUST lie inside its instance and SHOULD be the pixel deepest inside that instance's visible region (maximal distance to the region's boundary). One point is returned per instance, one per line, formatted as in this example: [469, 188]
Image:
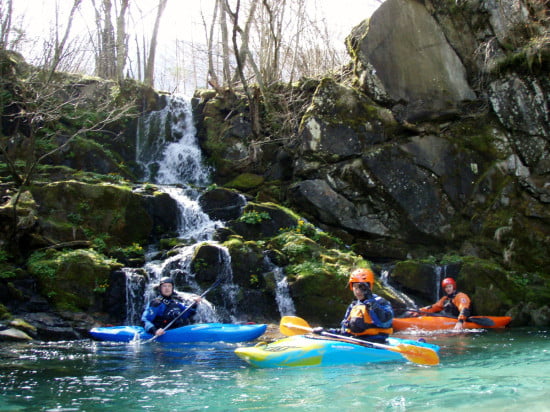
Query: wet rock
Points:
[12, 334]
[222, 204]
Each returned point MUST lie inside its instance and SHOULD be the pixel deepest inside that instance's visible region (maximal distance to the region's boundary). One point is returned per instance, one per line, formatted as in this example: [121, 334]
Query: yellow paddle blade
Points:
[293, 325]
[417, 354]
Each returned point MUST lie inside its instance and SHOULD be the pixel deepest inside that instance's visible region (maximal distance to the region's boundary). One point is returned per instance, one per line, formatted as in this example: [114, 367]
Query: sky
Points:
[182, 21]
[341, 15]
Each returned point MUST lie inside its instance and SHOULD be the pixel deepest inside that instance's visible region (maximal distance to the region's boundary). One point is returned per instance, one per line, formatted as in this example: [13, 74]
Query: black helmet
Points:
[166, 280]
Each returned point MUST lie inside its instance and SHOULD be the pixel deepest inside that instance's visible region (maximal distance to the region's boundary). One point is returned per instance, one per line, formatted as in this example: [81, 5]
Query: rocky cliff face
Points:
[436, 144]
[430, 150]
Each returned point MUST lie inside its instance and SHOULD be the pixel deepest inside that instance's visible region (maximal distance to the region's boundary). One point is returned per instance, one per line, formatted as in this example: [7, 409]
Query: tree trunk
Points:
[59, 47]
[121, 41]
[149, 75]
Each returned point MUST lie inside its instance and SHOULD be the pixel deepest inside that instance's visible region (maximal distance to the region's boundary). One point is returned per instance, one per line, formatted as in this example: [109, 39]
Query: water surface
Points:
[505, 370]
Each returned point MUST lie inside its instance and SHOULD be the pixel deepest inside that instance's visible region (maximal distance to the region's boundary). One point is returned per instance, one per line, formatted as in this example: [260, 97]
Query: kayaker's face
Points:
[166, 289]
[449, 288]
[358, 291]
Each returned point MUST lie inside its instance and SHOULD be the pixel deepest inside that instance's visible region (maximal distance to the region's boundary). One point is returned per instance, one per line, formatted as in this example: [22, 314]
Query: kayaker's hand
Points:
[198, 299]
[317, 330]
[159, 332]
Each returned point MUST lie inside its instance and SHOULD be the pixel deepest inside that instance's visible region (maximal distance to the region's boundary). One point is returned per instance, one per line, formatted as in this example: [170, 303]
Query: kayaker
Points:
[369, 316]
[453, 304]
[165, 308]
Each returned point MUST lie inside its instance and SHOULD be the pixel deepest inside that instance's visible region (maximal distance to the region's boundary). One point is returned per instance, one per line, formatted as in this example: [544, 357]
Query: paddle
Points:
[293, 325]
[216, 283]
[477, 320]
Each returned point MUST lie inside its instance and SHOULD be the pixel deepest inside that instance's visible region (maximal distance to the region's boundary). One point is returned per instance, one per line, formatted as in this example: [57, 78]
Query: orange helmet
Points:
[361, 275]
[448, 281]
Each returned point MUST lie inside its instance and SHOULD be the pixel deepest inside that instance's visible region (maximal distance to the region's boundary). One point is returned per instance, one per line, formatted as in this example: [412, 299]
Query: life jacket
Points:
[360, 318]
[451, 308]
[171, 311]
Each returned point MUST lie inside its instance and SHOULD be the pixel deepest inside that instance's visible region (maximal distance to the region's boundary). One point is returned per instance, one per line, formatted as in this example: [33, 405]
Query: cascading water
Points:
[167, 145]
[439, 270]
[168, 152]
[401, 297]
[134, 295]
[285, 304]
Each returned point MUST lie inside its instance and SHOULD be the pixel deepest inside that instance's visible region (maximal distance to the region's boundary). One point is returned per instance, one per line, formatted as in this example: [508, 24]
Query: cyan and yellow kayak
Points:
[312, 350]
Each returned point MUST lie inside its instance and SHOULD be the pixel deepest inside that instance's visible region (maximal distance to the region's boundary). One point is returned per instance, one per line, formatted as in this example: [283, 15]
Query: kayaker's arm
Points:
[436, 307]
[380, 311]
[149, 314]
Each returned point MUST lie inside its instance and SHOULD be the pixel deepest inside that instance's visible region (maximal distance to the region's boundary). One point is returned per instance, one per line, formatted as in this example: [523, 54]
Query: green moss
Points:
[4, 313]
[245, 182]
[70, 278]
[234, 243]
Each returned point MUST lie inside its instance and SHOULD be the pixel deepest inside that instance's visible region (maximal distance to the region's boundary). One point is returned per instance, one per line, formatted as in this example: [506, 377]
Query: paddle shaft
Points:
[425, 356]
[186, 309]
[346, 338]
[480, 321]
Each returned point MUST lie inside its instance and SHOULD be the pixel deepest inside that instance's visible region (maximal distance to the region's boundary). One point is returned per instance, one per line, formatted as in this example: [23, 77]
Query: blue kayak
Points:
[307, 350]
[200, 332]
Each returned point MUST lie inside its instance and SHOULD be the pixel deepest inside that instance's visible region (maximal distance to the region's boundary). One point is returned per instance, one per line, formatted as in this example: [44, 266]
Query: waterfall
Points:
[285, 304]
[178, 267]
[229, 289]
[168, 152]
[134, 295]
[167, 145]
[193, 223]
[406, 301]
[438, 278]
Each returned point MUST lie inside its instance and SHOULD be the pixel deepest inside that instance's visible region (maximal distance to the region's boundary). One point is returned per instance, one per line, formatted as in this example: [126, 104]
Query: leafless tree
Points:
[112, 39]
[6, 14]
[149, 72]
[43, 114]
[60, 44]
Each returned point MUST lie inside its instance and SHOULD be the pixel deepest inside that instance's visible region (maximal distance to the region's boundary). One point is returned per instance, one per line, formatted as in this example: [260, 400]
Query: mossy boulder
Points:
[246, 182]
[72, 280]
[317, 276]
[247, 262]
[263, 220]
[222, 204]
[112, 214]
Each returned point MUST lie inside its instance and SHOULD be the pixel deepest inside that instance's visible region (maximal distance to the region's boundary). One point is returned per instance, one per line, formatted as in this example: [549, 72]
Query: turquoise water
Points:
[491, 371]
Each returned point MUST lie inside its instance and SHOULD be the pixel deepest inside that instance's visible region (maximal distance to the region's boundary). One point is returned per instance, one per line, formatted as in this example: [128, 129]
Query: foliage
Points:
[253, 217]
[43, 264]
[70, 277]
[129, 252]
[6, 270]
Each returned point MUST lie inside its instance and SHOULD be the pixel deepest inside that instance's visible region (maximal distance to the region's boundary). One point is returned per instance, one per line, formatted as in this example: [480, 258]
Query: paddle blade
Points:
[481, 321]
[417, 354]
[293, 325]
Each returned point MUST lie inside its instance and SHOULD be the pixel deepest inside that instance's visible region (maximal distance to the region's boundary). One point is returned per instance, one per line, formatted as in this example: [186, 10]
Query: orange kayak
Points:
[444, 322]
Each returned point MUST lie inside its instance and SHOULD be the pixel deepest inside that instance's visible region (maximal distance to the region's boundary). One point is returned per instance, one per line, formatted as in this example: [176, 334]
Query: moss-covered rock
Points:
[72, 280]
[108, 214]
[263, 220]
